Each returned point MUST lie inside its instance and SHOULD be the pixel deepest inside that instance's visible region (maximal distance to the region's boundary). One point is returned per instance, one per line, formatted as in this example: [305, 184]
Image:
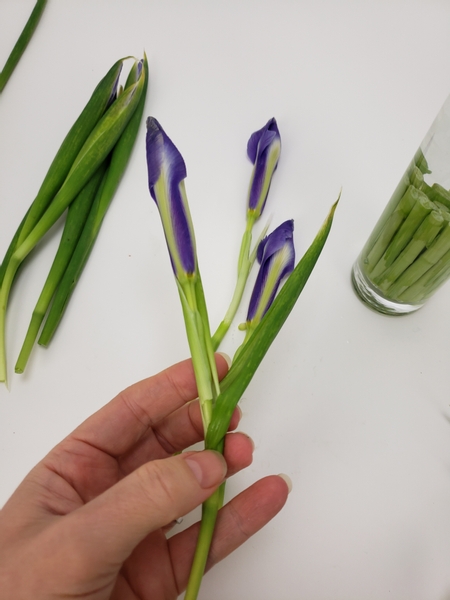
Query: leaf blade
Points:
[242, 371]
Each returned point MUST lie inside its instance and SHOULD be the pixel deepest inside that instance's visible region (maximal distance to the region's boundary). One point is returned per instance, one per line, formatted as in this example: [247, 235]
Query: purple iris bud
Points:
[276, 256]
[263, 149]
[166, 174]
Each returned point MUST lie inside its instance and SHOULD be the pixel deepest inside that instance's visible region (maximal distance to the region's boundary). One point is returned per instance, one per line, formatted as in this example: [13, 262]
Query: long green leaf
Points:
[64, 158]
[22, 43]
[76, 218]
[94, 151]
[247, 362]
[119, 160]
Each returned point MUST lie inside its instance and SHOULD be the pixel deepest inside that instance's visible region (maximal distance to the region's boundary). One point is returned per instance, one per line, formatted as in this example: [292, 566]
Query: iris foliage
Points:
[79, 184]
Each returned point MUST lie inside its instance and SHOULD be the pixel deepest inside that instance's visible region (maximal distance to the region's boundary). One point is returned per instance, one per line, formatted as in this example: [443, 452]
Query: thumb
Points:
[108, 528]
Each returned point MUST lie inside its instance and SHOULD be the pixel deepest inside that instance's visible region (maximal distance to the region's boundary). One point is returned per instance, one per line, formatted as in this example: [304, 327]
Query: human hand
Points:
[90, 520]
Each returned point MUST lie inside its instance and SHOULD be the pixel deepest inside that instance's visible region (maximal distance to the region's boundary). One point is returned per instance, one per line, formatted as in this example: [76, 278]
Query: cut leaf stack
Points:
[407, 257]
[82, 178]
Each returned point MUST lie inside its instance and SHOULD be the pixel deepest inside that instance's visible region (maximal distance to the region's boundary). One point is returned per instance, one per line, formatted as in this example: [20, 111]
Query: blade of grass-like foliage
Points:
[94, 151]
[111, 180]
[237, 380]
[76, 218]
[64, 158]
[11, 248]
[22, 43]
[246, 364]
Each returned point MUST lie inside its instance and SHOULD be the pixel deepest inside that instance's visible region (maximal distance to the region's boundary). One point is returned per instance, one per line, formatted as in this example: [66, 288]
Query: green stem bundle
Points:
[405, 258]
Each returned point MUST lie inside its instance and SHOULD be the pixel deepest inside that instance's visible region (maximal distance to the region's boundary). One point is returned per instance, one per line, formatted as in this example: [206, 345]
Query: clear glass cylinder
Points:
[407, 256]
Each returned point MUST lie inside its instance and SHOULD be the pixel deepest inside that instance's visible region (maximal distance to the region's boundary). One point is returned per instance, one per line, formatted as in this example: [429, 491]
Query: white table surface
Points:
[353, 405]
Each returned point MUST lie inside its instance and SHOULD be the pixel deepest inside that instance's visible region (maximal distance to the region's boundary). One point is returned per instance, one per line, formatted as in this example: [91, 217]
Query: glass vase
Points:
[407, 256]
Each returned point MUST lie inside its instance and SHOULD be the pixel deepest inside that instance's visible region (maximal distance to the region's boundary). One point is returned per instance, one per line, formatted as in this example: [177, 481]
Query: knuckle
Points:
[159, 488]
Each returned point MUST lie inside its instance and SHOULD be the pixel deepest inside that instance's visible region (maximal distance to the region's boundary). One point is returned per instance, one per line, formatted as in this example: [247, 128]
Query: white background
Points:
[353, 405]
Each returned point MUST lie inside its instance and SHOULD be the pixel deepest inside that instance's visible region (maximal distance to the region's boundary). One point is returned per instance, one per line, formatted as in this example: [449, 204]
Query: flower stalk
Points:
[263, 149]
[166, 175]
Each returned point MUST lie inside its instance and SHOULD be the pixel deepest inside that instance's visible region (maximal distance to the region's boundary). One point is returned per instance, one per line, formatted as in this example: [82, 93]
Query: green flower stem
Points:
[416, 178]
[196, 339]
[76, 218]
[390, 227]
[423, 263]
[236, 382]
[202, 309]
[420, 210]
[437, 193]
[405, 256]
[422, 238]
[210, 509]
[246, 260]
[244, 266]
[202, 352]
[428, 282]
[435, 282]
[232, 309]
[22, 43]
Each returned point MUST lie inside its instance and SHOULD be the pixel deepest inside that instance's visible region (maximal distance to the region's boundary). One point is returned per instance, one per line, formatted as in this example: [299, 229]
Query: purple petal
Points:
[275, 241]
[162, 151]
[281, 239]
[182, 229]
[258, 149]
[161, 148]
[262, 138]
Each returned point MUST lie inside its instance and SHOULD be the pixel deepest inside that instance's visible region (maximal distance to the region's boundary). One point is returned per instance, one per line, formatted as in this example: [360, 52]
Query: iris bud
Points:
[166, 174]
[276, 256]
[263, 149]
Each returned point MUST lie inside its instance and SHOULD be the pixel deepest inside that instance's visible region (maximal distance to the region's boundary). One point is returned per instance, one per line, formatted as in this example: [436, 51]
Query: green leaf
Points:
[22, 43]
[64, 158]
[119, 160]
[248, 360]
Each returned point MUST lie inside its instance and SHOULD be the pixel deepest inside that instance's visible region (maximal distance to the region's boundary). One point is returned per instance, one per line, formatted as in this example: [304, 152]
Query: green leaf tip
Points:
[241, 373]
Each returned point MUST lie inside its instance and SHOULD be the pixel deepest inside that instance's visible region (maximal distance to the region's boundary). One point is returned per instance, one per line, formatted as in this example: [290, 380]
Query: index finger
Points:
[120, 424]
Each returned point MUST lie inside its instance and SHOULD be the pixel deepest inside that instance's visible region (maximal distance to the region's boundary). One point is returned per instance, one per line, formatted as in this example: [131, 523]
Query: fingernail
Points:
[287, 480]
[208, 467]
[226, 357]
